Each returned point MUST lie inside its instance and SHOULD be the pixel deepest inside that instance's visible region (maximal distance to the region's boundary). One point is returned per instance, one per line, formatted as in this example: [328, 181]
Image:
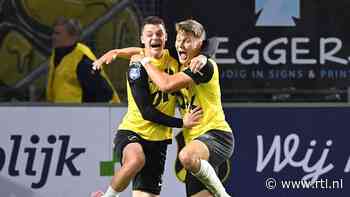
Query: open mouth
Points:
[182, 55]
[156, 45]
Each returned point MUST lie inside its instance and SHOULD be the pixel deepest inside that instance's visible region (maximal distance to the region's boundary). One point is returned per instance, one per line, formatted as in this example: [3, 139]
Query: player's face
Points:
[187, 46]
[154, 37]
[60, 37]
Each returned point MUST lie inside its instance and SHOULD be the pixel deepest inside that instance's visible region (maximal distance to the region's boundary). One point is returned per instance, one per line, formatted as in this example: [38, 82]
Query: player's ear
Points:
[166, 36]
[198, 43]
[141, 39]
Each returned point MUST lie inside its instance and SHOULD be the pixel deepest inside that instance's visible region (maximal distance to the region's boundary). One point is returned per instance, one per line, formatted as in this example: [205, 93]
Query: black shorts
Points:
[220, 145]
[149, 179]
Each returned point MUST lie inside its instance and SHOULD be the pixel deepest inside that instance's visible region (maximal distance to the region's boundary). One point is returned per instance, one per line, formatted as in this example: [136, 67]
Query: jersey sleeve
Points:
[205, 75]
[94, 86]
[138, 81]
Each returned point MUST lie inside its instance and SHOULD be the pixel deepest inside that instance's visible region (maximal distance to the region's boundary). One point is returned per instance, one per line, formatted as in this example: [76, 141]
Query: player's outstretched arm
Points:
[113, 54]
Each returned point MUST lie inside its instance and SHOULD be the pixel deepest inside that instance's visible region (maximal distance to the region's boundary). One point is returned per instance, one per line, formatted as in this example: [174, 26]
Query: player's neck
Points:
[159, 55]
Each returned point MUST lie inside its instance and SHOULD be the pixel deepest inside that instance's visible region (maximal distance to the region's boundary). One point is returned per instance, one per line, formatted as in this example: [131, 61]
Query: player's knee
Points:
[187, 159]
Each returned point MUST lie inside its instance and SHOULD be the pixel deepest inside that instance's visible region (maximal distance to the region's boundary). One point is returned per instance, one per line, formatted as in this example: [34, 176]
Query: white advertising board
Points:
[56, 151]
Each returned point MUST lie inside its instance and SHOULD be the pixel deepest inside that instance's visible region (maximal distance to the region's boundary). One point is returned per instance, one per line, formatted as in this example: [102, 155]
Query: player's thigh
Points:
[126, 145]
[133, 153]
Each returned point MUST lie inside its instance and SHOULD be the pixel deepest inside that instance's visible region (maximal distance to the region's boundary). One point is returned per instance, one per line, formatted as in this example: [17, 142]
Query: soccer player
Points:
[144, 133]
[210, 143]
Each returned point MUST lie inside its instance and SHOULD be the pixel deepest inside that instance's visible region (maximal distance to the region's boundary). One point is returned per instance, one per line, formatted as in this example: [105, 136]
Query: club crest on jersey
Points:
[135, 73]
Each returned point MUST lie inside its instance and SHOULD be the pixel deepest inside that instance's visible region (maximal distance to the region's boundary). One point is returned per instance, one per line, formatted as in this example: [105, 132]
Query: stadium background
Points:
[288, 87]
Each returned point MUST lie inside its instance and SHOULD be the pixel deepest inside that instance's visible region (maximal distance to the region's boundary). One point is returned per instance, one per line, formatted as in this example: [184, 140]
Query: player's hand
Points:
[197, 63]
[97, 194]
[105, 59]
[193, 117]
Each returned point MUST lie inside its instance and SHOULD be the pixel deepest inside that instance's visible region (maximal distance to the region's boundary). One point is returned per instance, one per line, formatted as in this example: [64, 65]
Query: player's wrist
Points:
[181, 123]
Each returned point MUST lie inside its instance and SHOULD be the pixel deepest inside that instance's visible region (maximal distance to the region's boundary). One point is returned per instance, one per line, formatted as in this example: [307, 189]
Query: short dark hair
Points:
[154, 20]
[72, 26]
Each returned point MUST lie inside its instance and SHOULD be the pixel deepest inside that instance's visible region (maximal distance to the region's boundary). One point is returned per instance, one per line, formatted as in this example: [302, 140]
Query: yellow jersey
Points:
[207, 95]
[164, 102]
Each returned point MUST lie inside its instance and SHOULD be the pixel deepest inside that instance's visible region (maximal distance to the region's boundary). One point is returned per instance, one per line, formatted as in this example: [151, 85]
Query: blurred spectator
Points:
[71, 78]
